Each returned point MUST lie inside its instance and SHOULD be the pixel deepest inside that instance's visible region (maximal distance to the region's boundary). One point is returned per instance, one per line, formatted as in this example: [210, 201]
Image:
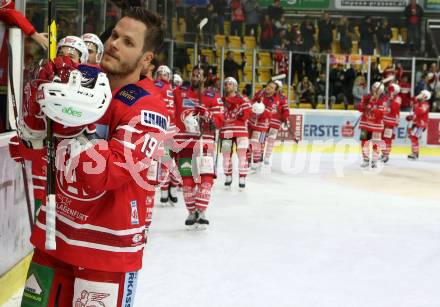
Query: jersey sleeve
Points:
[15, 18]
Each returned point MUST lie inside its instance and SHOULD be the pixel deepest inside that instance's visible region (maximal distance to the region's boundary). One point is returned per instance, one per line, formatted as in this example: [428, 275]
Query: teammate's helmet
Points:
[73, 105]
[76, 43]
[94, 39]
[280, 85]
[233, 81]
[394, 89]
[163, 70]
[177, 80]
[377, 88]
[7, 4]
[258, 108]
[424, 95]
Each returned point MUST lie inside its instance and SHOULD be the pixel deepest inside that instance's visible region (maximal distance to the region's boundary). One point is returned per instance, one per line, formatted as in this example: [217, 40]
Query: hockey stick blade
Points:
[203, 23]
[278, 77]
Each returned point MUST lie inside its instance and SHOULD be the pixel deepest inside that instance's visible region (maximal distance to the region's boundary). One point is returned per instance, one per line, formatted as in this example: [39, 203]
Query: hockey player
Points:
[169, 180]
[100, 209]
[280, 117]
[198, 113]
[259, 123]
[419, 119]
[75, 48]
[95, 48]
[371, 124]
[237, 111]
[391, 119]
[177, 80]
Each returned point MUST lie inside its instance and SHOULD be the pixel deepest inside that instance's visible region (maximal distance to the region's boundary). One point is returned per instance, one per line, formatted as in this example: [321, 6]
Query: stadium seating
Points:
[234, 42]
[249, 42]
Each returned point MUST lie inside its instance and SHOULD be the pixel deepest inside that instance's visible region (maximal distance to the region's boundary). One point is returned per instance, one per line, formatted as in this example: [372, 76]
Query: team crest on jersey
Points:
[210, 94]
[189, 103]
[159, 83]
[154, 120]
[130, 94]
[170, 94]
[89, 74]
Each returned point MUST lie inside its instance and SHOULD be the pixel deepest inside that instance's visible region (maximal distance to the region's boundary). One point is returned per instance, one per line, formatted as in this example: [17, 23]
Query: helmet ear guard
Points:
[73, 105]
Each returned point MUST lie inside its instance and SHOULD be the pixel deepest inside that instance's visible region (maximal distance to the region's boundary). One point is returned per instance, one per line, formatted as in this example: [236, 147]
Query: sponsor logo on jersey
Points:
[89, 293]
[170, 93]
[210, 94]
[154, 120]
[130, 94]
[159, 83]
[71, 111]
[189, 103]
[134, 213]
[137, 238]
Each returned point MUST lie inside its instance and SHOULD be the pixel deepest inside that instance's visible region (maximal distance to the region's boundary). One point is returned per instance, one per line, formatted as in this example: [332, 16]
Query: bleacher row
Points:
[242, 49]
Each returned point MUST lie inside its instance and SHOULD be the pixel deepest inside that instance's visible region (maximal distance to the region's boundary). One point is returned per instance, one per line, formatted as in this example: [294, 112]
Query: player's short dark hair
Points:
[154, 35]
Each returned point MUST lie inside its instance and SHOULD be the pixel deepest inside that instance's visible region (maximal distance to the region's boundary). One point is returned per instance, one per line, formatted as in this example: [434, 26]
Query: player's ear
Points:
[147, 58]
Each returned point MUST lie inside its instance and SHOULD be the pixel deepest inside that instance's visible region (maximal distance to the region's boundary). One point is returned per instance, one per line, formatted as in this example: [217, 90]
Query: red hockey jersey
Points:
[237, 111]
[101, 206]
[372, 109]
[261, 122]
[209, 108]
[392, 111]
[420, 113]
[280, 112]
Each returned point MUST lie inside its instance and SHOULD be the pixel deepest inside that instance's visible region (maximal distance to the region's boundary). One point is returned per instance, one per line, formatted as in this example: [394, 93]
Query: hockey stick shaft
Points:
[50, 243]
[15, 109]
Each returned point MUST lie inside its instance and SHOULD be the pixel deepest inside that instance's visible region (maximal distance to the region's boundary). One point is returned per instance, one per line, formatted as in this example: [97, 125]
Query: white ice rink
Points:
[304, 237]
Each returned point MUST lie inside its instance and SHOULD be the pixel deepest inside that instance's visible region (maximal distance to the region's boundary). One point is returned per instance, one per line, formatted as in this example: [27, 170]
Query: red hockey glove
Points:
[14, 149]
[409, 118]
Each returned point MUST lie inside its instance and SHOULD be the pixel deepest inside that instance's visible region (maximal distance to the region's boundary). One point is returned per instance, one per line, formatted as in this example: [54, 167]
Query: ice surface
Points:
[304, 235]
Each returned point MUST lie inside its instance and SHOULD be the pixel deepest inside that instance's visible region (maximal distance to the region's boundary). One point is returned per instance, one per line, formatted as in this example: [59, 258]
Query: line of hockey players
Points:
[380, 116]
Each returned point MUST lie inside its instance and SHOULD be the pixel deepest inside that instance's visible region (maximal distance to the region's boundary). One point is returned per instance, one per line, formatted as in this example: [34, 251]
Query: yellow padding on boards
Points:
[14, 279]
[309, 148]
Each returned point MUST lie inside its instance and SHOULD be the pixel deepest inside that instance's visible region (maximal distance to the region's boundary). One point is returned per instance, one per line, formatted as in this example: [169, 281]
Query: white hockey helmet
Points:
[90, 38]
[377, 88]
[233, 81]
[177, 80]
[76, 43]
[394, 89]
[258, 108]
[191, 123]
[73, 105]
[424, 95]
[163, 70]
[279, 84]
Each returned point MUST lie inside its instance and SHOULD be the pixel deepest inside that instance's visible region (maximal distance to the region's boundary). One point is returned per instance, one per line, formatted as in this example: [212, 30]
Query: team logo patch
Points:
[91, 293]
[210, 94]
[154, 120]
[170, 93]
[130, 94]
[134, 213]
[159, 83]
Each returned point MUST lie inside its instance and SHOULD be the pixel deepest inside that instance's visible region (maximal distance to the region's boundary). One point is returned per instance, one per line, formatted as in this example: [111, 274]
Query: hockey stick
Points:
[14, 107]
[278, 77]
[50, 243]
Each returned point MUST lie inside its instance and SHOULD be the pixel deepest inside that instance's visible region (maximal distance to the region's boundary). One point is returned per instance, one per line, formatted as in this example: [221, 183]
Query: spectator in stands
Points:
[230, 67]
[307, 32]
[281, 39]
[325, 35]
[237, 18]
[275, 11]
[399, 72]
[413, 13]
[376, 75]
[349, 78]
[192, 20]
[383, 35]
[247, 90]
[320, 88]
[220, 8]
[360, 89]
[210, 28]
[252, 13]
[281, 24]
[367, 30]
[306, 92]
[423, 84]
[421, 72]
[345, 33]
[337, 82]
[405, 93]
[267, 33]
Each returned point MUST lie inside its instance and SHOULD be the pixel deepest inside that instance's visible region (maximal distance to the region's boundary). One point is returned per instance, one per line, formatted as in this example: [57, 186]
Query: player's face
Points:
[72, 53]
[123, 53]
[229, 87]
[91, 47]
[270, 89]
[196, 77]
[164, 77]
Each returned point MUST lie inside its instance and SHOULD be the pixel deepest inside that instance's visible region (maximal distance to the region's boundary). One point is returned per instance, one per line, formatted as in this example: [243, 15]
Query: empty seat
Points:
[250, 42]
[220, 40]
[234, 42]
[265, 59]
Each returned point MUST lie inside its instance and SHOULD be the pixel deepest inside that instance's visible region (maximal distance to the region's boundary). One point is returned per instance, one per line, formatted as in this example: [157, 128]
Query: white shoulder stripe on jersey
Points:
[126, 144]
[129, 129]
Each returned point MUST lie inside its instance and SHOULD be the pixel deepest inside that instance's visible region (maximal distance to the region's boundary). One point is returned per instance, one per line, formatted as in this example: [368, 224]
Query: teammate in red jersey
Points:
[259, 123]
[198, 113]
[100, 202]
[391, 119]
[371, 123]
[95, 48]
[419, 119]
[280, 117]
[169, 177]
[237, 110]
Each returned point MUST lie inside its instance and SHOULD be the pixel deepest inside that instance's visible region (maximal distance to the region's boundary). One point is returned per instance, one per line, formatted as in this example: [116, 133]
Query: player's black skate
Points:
[172, 195]
[202, 221]
[373, 164]
[242, 183]
[191, 219]
[228, 181]
[413, 156]
[365, 163]
[163, 198]
[385, 159]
